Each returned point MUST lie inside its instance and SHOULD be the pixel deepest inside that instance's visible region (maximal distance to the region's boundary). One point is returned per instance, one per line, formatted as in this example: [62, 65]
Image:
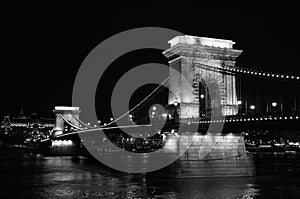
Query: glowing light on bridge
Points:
[247, 119]
[259, 73]
[175, 103]
[62, 143]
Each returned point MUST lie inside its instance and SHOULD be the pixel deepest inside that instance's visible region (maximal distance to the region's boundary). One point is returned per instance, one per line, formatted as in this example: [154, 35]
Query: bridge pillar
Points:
[207, 156]
[69, 113]
[200, 60]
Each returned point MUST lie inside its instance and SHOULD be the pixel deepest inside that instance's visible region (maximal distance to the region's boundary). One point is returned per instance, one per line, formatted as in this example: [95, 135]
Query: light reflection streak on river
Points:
[55, 177]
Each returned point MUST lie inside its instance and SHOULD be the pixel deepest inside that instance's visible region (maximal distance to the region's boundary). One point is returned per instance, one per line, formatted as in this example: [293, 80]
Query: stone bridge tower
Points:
[68, 113]
[200, 60]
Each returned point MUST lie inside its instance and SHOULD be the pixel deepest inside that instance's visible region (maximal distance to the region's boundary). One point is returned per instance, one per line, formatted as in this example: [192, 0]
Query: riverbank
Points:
[18, 153]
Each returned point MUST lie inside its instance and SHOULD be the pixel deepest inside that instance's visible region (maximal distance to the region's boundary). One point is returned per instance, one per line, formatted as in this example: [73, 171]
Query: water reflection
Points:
[55, 177]
[208, 187]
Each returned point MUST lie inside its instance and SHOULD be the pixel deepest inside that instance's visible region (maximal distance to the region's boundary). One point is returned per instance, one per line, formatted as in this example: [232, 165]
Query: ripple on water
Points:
[58, 177]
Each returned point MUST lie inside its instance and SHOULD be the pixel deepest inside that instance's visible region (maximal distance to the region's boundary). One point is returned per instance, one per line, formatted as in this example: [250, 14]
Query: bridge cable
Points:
[86, 125]
[139, 102]
[76, 127]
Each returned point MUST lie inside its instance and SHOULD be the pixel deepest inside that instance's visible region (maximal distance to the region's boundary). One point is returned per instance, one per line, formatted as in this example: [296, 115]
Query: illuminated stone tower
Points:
[201, 60]
[63, 113]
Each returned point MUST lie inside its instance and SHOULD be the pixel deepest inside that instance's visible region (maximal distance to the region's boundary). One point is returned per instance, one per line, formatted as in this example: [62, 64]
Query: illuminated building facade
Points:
[24, 130]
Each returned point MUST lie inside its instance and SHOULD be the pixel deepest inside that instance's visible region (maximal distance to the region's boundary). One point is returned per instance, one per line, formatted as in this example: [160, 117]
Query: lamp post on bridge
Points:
[239, 102]
[252, 108]
[175, 114]
[202, 96]
[274, 107]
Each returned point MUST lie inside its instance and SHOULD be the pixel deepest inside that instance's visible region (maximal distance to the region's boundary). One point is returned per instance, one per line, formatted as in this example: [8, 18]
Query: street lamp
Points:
[175, 115]
[175, 103]
[202, 104]
[252, 107]
[274, 105]
[239, 102]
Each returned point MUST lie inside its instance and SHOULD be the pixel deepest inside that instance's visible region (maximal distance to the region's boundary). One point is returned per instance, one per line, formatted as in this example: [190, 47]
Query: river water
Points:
[67, 177]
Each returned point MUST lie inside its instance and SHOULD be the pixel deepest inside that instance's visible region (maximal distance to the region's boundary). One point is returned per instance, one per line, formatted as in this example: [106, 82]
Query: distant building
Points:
[24, 130]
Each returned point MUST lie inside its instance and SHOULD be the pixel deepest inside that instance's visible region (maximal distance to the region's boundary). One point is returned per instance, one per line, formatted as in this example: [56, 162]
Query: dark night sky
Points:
[44, 44]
